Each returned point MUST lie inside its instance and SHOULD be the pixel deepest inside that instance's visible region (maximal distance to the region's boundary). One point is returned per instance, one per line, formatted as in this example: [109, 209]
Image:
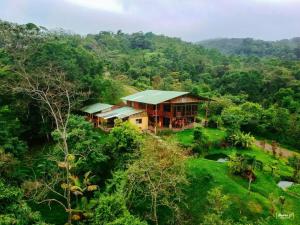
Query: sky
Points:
[190, 20]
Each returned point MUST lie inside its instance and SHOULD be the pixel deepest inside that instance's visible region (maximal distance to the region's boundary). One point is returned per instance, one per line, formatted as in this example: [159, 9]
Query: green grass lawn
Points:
[295, 189]
[206, 174]
[185, 137]
[266, 158]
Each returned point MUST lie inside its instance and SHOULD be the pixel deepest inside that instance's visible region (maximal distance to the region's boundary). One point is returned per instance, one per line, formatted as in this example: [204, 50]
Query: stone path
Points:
[280, 150]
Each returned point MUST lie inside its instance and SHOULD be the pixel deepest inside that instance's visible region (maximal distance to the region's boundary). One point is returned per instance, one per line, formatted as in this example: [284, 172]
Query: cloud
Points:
[110, 6]
[191, 20]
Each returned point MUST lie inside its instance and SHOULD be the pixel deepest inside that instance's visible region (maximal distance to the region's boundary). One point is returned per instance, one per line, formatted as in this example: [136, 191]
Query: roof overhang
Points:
[120, 113]
[97, 107]
[155, 97]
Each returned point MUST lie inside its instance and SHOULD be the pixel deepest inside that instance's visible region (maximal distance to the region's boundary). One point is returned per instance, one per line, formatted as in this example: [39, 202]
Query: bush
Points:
[201, 143]
[197, 149]
[198, 119]
[294, 162]
[214, 121]
[241, 140]
[199, 135]
[124, 143]
[233, 117]
[111, 209]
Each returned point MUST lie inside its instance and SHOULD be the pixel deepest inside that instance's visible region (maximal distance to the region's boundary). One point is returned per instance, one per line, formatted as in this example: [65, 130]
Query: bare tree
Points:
[51, 90]
[56, 96]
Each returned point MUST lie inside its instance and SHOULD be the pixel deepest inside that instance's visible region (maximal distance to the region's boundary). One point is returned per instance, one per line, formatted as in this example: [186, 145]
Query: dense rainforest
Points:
[54, 162]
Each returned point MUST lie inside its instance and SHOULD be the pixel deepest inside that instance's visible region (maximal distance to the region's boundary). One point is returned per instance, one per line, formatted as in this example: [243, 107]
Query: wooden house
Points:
[169, 109]
[149, 109]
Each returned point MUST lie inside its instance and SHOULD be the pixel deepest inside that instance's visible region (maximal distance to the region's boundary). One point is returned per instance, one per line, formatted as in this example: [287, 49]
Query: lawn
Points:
[264, 157]
[205, 174]
[185, 137]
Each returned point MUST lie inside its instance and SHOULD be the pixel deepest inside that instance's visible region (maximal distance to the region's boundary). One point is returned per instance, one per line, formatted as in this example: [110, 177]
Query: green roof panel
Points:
[120, 113]
[97, 107]
[153, 96]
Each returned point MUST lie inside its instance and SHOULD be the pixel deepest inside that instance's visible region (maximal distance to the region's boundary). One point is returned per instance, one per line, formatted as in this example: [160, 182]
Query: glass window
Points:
[154, 107]
[142, 105]
[138, 121]
[167, 108]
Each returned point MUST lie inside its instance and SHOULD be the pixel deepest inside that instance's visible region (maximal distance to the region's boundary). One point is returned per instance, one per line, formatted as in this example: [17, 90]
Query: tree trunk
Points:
[249, 183]
[155, 209]
[66, 150]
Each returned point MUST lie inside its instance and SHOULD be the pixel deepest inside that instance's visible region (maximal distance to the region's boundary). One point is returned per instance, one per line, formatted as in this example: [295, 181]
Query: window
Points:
[138, 121]
[154, 107]
[167, 108]
[142, 106]
[129, 103]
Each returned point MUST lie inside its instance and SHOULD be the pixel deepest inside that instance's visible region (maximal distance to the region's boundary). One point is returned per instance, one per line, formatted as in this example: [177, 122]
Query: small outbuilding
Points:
[91, 110]
[136, 116]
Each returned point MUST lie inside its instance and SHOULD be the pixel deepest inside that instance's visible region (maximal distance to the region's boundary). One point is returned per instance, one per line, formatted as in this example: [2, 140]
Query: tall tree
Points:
[159, 174]
[56, 96]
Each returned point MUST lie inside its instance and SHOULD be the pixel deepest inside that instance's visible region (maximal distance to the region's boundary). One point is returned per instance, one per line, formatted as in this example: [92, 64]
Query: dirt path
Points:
[279, 150]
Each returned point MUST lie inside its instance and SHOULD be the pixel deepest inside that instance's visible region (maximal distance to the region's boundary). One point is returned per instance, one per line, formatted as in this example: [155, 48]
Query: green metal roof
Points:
[153, 96]
[120, 113]
[97, 107]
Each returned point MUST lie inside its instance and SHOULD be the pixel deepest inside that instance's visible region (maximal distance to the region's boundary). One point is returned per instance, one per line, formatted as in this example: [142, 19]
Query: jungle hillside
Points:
[57, 168]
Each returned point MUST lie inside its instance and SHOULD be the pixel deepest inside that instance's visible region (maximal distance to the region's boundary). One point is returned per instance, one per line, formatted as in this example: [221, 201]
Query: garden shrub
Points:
[198, 119]
[201, 143]
[214, 121]
[241, 140]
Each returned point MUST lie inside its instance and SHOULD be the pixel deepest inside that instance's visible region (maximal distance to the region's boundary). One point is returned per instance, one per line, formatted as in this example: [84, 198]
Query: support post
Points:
[206, 114]
[171, 115]
[155, 119]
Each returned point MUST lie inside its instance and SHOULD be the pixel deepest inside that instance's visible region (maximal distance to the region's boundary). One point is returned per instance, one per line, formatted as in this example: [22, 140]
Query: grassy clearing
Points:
[185, 137]
[295, 189]
[206, 174]
[264, 157]
[129, 90]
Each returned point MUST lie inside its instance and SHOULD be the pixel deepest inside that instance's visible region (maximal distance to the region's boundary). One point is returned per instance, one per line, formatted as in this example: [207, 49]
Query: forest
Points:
[284, 49]
[56, 168]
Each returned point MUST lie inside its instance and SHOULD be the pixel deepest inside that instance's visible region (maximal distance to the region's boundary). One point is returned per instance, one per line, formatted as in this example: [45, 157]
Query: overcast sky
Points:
[191, 20]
